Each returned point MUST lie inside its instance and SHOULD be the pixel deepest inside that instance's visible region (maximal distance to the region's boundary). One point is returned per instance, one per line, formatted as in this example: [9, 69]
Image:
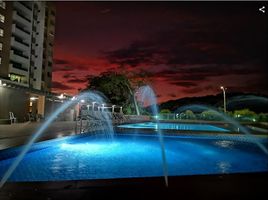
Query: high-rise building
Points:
[26, 43]
[27, 31]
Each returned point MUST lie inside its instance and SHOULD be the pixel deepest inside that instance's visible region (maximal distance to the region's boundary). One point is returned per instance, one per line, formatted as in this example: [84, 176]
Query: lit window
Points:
[2, 18]
[1, 46]
[1, 32]
[3, 4]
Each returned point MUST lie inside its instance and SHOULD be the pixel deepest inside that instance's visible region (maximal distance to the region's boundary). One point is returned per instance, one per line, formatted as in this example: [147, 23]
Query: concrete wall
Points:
[18, 102]
[13, 100]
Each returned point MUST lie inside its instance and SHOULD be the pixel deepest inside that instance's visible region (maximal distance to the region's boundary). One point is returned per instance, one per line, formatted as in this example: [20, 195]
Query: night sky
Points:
[184, 49]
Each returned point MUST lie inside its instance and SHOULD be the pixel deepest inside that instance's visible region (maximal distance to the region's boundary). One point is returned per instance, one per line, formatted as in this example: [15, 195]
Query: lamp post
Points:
[224, 98]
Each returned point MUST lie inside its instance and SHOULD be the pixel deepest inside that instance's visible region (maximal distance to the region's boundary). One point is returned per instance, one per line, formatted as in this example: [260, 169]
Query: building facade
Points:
[27, 32]
[27, 41]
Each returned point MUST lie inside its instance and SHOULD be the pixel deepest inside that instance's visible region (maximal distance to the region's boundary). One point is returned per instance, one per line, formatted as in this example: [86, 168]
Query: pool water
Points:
[174, 126]
[126, 156]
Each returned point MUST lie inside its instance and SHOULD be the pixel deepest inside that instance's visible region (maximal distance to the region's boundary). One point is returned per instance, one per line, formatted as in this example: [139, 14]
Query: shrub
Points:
[189, 114]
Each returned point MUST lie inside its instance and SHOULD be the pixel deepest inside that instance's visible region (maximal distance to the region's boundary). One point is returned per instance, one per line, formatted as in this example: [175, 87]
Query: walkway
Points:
[17, 134]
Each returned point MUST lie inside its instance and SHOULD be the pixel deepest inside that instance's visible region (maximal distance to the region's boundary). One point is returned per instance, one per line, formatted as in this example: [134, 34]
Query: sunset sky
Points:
[184, 49]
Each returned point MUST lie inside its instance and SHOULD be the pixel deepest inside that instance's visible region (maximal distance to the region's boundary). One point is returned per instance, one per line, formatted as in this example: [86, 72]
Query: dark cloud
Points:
[58, 85]
[77, 80]
[69, 75]
[60, 61]
[67, 65]
[64, 68]
[186, 84]
[190, 48]
[71, 67]
[194, 90]
[191, 76]
[72, 78]
[134, 55]
[172, 95]
[203, 41]
[250, 85]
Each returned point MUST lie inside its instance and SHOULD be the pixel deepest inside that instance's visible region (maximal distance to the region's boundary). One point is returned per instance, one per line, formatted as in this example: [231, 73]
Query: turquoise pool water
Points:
[174, 126]
[89, 157]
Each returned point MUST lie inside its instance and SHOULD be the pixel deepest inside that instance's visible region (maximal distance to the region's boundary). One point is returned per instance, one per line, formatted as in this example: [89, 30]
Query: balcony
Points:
[19, 53]
[22, 6]
[18, 69]
[19, 31]
[19, 44]
[21, 19]
[19, 60]
[22, 29]
[17, 76]
[25, 4]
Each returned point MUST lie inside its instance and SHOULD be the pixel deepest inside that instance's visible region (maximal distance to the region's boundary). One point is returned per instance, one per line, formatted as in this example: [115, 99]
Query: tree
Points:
[117, 89]
[165, 111]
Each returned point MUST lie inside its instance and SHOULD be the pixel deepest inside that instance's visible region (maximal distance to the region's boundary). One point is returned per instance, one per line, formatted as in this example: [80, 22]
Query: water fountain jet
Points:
[146, 93]
[92, 96]
[228, 119]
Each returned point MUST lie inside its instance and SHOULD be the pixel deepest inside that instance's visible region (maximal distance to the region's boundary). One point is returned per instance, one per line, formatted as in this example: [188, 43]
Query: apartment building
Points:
[26, 39]
[27, 31]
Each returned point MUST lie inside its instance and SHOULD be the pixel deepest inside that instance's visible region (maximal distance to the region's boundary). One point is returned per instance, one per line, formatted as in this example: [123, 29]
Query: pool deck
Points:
[18, 133]
[225, 186]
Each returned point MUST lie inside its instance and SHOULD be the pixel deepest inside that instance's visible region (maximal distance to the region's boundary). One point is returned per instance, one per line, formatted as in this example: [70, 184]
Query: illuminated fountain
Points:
[147, 96]
[146, 156]
[226, 118]
[89, 96]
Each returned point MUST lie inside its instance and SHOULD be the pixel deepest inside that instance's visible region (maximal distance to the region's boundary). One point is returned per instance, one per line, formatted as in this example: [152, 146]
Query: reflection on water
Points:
[224, 167]
[225, 143]
[99, 158]
[174, 126]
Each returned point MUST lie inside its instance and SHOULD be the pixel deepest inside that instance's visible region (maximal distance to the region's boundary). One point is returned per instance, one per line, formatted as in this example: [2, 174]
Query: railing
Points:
[19, 53]
[22, 16]
[25, 5]
[22, 29]
[18, 66]
[92, 120]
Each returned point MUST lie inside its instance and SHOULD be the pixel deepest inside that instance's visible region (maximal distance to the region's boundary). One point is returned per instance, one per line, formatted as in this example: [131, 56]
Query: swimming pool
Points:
[126, 156]
[174, 126]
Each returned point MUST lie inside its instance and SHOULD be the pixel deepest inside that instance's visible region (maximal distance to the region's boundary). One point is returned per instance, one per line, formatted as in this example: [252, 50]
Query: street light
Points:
[224, 98]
